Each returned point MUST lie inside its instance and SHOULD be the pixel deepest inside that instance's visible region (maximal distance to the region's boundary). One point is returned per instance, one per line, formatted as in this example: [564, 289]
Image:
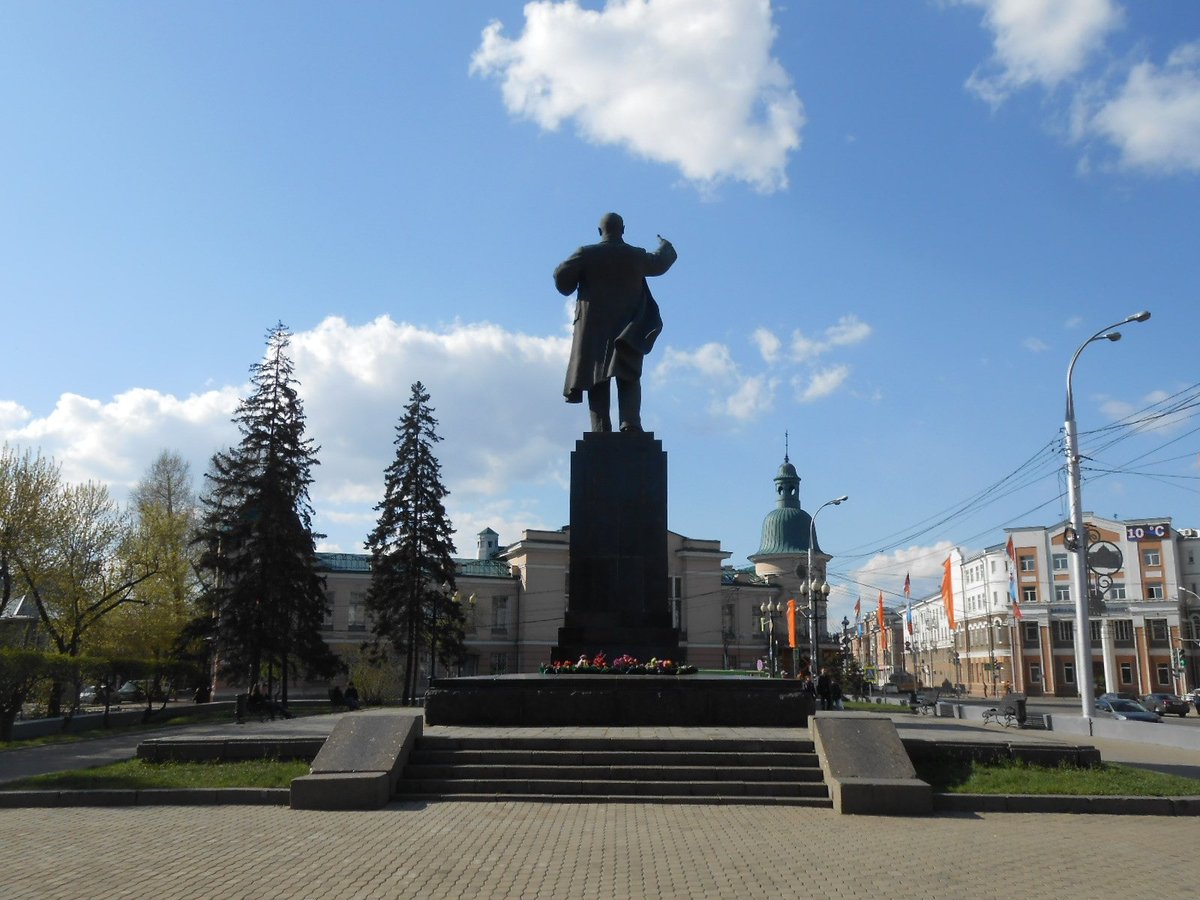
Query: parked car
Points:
[1165, 704]
[1126, 710]
[93, 695]
[1120, 695]
[131, 692]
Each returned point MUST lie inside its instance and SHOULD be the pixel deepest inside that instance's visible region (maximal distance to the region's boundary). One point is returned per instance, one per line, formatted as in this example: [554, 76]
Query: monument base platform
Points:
[617, 700]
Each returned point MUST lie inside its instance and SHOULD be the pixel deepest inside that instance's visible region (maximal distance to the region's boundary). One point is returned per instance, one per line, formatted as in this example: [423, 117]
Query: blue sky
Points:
[895, 221]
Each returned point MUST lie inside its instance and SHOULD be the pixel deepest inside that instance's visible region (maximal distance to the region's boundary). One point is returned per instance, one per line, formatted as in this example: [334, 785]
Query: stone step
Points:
[682, 770]
[620, 744]
[424, 755]
[442, 787]
[814, 802]
[624, 772]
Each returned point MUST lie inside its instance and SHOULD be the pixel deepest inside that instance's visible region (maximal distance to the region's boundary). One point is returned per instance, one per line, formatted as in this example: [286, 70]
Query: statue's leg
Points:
[629, 403]
[599, 401]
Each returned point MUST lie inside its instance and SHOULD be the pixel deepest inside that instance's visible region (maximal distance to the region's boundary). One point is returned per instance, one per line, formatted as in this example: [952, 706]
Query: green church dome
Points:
[786, 528]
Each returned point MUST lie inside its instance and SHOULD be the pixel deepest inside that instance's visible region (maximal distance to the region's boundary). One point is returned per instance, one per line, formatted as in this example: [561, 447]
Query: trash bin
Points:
[239, 708]
[1018, 701]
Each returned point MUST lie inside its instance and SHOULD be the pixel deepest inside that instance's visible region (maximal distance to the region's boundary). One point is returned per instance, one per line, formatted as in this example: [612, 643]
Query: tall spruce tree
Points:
[265, 598]
[412, 566]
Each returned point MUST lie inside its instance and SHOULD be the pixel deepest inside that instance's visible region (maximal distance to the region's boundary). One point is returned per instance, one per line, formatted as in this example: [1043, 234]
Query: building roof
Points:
[361, 562]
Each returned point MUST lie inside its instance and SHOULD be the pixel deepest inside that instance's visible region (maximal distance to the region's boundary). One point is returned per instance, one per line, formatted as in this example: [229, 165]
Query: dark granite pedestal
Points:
[617, 700]
[617, 583]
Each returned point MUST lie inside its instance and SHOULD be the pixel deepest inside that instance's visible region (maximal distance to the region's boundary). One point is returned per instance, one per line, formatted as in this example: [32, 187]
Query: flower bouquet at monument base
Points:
[622, 665]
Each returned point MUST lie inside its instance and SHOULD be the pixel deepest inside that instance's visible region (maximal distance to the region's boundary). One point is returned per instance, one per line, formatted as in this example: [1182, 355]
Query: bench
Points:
[1008, 712]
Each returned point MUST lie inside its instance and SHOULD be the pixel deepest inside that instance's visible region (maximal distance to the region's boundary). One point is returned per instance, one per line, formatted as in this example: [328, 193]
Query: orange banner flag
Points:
[879, 612]
[948, 593]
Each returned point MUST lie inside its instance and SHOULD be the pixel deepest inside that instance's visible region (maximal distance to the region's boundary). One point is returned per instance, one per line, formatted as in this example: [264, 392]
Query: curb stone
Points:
[148, 797]
[1061, 803]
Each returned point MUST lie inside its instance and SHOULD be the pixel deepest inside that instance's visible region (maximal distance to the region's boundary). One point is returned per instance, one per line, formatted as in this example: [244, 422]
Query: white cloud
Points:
[1149, 412]
[1074, 322]
[12, 414]
[712, 360]
[768, 344]
[847, 331]
[1035, 345]
[823, 383]
[730, 392]
[1154, 119]
[753, 397]
[690, 83]
[1041, 42]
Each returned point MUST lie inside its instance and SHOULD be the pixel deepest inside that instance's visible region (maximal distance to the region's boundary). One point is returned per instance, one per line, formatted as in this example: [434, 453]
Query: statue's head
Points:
[611, 225]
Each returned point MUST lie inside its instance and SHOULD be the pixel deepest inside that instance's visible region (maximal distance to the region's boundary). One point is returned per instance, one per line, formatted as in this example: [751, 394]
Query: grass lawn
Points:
[1016, 777]
[864, 706]
[136, 774]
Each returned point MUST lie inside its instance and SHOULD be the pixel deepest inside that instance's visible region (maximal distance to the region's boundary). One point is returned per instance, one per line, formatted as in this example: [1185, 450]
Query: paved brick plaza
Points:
[582, 851]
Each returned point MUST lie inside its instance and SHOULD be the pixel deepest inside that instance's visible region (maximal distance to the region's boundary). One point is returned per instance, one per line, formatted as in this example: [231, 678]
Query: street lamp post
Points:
[814, 591]
[769, 610]
[1079, 581]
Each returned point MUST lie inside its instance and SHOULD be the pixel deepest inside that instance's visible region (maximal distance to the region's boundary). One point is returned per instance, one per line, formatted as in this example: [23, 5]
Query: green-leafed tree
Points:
[412, 563]
[29, 487]
[164, 513]
[264, 597]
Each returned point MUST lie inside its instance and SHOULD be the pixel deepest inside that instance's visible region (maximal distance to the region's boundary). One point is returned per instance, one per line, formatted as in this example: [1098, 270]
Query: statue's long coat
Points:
[616, 318]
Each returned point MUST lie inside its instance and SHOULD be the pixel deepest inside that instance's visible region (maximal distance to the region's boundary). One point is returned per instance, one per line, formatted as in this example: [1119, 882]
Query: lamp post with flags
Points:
[812, 589]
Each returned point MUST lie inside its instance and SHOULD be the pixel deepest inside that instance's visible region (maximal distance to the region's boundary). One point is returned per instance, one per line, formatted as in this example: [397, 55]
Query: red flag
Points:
[858, 609]
[948, 593]
[879, 612]
[907, 586]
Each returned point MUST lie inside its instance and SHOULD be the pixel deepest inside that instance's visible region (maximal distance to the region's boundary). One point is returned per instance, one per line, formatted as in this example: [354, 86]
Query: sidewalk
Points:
[528, 850]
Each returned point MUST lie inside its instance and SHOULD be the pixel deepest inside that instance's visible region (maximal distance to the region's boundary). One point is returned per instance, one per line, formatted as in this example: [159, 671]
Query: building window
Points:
[1028, 564]
[1126, 673]
[1123, 630]
[1062, 593]
[356, 619]
[1029, 595]
[677, 613]
[499, 664]
[1068, 673]
[1154, 592]
[1035, 673]
[675, 587]
[1058, 562]
[1094, 630]
[1151, 558]
[1158, 630]
[1164, 674]
[1064, 632]
[330, 600]
[1117, 591]
[1030, 636]
[500, 615]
